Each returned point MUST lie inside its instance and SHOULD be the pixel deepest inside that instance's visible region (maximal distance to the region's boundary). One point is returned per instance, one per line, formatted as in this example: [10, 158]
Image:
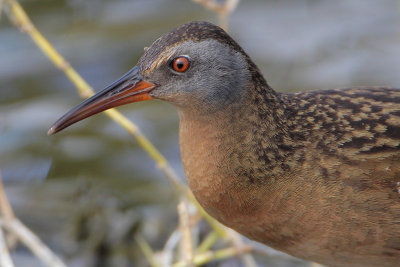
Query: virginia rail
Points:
[314, 174]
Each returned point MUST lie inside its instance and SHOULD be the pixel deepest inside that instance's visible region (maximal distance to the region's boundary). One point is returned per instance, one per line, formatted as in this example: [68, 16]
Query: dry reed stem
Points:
[208, 242]
[185, 228]
[5, 258]
[223, 11]
[169, 247]
[7, 213]
[29, 239]
[5, 207]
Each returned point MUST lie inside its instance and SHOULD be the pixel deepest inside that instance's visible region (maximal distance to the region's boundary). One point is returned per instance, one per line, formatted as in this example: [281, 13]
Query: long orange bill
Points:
[128, 89]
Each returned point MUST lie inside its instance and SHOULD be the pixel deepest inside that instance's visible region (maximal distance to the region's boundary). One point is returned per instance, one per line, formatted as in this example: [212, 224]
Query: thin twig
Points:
[5, 207]
[147, 251]
[208, 242]
[7, 213]
[169, 247]
[5, 258]
[223, 11]
[229, 7]
[186, 240]
[33, 242]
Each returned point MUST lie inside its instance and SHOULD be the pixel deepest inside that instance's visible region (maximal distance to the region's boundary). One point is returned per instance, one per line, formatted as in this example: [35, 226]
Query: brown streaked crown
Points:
[196, 31]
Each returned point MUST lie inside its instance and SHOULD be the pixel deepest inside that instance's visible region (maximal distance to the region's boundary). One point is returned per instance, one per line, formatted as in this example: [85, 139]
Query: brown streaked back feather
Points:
[361, 122]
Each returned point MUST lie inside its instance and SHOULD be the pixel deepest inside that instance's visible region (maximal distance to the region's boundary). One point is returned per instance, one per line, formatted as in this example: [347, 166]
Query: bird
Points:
[315, 174]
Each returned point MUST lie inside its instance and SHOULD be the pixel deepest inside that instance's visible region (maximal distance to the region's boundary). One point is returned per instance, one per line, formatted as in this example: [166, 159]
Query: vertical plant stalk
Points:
[168, 251]
[185, 228]
[5, 207]
[5, 258]
[223, 11]
[7, 213]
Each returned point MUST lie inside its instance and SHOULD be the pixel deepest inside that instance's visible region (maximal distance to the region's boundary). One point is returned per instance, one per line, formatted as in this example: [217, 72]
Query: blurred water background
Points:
[88, 188]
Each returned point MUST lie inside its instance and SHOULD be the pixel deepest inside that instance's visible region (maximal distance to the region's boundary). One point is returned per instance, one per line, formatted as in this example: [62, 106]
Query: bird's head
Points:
[197, 66]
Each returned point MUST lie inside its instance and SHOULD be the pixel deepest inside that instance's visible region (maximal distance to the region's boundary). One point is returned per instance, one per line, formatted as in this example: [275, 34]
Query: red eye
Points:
[180, 64]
